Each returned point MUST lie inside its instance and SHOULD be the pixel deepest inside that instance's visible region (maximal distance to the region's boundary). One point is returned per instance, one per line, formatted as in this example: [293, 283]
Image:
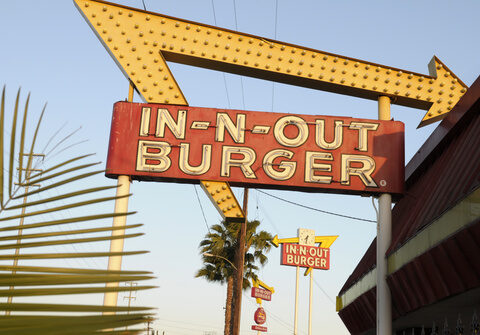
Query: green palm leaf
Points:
[70, 232]
[47, 269]
[57, 255]
[30, 280]
[68, 308]
[71, 160]
[66, 221]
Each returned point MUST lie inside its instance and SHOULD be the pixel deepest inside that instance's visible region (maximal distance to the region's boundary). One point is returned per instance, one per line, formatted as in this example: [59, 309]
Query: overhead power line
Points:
[323, 291]
[241, 77]
[316, 209]
[201, 207]
[223, 73]
[275, 37]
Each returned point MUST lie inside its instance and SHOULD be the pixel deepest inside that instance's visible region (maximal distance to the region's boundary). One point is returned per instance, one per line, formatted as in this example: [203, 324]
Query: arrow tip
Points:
[445, 91]
[275, 241]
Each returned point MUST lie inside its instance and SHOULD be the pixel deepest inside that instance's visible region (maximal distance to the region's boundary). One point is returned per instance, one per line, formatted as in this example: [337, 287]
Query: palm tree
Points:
[218, 253]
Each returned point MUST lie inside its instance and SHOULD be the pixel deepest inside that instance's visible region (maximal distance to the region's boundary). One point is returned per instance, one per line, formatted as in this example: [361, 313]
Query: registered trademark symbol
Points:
[383, 183]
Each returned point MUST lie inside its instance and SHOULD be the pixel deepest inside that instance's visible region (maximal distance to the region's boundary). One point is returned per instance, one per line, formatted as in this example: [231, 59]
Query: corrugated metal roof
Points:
[453, 175]
[446, 270]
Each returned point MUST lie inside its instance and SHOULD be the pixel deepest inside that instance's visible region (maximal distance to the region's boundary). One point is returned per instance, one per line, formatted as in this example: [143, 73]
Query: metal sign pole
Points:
[310, 305]
[239, 262]
[384, 238]
[295, 323]
[121, 206]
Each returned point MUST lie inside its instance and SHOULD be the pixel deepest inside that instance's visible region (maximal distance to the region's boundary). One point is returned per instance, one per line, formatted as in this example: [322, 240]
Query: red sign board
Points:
[259, 328]
[260, 316]
[305, 256]
[261, 293]
[256, 149]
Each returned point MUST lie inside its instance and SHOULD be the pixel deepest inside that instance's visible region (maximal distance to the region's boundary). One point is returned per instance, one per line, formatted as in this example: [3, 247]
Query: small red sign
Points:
[314, 153]
[259, 328]
[261, 293]
[305, 256]
[260, 316]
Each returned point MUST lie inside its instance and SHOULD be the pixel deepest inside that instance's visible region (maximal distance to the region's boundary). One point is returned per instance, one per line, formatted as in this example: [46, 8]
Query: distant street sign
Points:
[256, 149]
[259, 328]
[305, 256]
[260, 316]
[261, 293]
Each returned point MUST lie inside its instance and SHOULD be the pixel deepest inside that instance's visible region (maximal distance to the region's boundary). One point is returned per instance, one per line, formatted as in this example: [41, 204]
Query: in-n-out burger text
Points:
[255, 148]
[153, 156]
[305, 256]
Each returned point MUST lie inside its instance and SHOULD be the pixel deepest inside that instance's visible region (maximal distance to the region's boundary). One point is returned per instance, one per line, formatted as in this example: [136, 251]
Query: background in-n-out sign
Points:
[256, 149]
[305, 256]
[261, 293]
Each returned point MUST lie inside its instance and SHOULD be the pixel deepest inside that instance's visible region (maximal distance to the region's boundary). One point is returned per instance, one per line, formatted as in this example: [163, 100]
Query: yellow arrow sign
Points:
[136, 52]
[258, 282]
[276, 241]
[325, 241]
[307, 271]
[223, 199]
[141, 41]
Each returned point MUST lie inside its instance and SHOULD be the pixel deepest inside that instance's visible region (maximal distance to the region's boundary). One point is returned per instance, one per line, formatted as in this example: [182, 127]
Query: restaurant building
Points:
[434, 256]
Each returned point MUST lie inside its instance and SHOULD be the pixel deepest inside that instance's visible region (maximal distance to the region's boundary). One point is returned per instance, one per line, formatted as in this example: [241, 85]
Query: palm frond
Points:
[13, 133]
[53, 168]
[78, 205]
[221, 242]
[22, 140]
[66, 221]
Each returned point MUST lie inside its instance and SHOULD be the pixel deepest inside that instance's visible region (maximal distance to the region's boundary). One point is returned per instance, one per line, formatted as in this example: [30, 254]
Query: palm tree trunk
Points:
[228, 306]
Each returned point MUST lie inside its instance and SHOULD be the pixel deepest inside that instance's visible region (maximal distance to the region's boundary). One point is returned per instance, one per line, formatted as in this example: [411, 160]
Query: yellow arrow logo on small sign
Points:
[258, 283]
[325, 241]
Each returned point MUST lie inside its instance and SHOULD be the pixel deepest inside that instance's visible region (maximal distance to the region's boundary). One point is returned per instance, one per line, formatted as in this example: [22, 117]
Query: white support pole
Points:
[295, 322]
[310, 304]
[115, 262]
[121, 206]
[384, 238]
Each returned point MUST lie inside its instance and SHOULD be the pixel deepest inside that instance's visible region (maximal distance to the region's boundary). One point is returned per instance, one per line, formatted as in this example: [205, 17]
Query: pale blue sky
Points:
[48, 49]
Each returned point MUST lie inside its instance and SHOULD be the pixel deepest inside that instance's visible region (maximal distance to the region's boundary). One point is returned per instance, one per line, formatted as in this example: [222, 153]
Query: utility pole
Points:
[239, 260]
[130, 298]
[148, 327]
